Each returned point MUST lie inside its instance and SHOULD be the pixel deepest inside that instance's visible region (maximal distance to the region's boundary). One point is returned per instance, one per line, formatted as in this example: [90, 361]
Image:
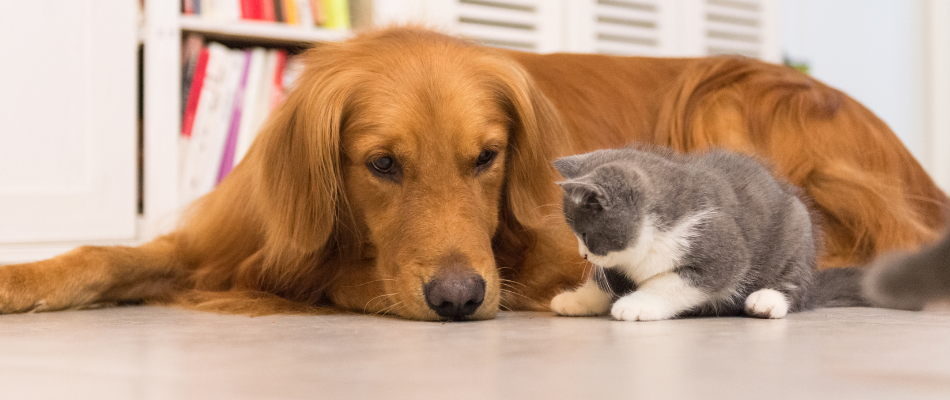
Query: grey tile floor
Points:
[167, 353]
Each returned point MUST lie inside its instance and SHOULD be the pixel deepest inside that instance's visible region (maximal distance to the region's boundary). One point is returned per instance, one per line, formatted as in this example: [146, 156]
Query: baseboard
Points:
[28, 252]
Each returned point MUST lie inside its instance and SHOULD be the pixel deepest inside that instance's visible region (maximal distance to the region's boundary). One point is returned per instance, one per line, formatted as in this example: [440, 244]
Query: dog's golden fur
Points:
[303, 222]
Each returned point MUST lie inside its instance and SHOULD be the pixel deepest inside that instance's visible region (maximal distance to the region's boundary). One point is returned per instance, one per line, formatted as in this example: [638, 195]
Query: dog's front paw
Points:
[639, 306]
[580, 303]
[766, 303]
[19, 293]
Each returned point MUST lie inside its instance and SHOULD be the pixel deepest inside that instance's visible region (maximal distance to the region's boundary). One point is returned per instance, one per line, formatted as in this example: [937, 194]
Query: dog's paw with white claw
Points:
[766, 303]
[580, 303]
[639, 306]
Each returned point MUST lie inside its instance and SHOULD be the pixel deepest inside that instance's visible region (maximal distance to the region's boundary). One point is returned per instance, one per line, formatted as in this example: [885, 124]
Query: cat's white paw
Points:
[639, 306]
[766, 303]
[578, 303]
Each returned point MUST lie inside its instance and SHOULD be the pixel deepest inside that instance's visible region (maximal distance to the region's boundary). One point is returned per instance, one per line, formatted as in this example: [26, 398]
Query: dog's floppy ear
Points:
[299, 184]
[536, 138]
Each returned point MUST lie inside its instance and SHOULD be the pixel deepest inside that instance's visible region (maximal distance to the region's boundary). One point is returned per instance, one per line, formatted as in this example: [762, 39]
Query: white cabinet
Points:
[67, 121]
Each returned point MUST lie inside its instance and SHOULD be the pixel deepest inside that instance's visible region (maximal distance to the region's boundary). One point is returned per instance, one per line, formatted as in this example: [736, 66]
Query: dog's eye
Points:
[485, 157]
[383, 165]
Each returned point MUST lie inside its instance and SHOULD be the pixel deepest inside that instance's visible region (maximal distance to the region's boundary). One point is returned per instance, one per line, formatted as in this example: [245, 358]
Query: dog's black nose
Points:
[455, 294]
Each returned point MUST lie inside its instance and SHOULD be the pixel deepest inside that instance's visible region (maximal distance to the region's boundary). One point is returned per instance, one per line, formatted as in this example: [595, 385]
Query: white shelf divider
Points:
[260, 30]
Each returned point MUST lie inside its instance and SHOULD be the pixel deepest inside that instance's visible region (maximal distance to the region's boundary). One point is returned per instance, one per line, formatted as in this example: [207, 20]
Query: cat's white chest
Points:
[654, 252]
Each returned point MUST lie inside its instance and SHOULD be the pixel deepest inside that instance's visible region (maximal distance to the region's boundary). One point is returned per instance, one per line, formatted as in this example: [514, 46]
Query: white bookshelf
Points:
[268, 32]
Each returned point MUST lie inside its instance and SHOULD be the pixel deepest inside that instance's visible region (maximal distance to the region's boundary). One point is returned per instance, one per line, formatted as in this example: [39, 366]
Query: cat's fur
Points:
[696, 234]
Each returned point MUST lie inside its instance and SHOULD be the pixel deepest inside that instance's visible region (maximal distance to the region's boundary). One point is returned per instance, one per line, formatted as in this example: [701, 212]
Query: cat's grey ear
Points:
[585, 194]
[569, 167]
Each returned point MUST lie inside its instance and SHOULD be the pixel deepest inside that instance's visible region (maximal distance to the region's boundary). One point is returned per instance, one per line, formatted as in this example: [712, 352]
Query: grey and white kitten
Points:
[698, 234]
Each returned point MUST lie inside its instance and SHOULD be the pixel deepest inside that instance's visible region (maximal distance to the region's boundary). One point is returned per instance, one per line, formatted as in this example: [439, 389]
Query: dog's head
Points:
[414, 150]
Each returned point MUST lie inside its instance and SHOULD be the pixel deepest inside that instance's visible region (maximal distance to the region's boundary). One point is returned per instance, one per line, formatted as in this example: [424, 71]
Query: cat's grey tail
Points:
[909, 280]
[838, 287]
[905, 280]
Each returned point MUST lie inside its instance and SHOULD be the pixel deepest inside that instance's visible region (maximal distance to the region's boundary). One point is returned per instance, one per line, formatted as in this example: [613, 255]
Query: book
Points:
[205, 148]
[188, 7]
[304, 13]
[237, 104]
[250, 9]
[291, 13]
[267, 10]
[194, 93]
[190, 51]
[319, 15]
[292, 71]
[226, 10]
[279, 11]
[277, 81]
[337, 14]
[249, 124]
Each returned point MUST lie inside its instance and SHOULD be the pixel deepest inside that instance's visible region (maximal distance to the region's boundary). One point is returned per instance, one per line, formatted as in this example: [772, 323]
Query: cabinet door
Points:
[67, 120]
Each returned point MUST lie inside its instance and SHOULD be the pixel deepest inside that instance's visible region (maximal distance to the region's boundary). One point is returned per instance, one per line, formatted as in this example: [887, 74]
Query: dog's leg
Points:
[549, 268]
[90, 275]
[360, 289]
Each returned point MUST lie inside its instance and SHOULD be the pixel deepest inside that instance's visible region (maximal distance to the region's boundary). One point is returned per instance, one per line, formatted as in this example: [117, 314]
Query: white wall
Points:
[871, 49]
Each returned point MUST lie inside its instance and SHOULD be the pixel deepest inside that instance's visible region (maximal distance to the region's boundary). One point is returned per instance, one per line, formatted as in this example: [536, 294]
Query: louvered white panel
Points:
[627, 27]
[527, 25]
[734, 27]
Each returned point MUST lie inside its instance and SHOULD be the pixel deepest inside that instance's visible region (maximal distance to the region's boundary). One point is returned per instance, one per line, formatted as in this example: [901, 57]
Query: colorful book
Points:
[194, 147]
[212, 121]
[267, 10]
[194, 93]
[337, 14]
[291, 13]
[227, 158]
[319, 15]
[250, 9]
[190, 51]
[277, 81]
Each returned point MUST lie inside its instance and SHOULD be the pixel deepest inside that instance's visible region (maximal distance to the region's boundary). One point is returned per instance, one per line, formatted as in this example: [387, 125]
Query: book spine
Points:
[227, 159]
[267, 10]
[291, 12]
[188, 7]
[337, 14]
[279, 14]
[319, 14]
[249, 127]
[189, 55]
[277, 90]
[194, 93]
[246, 9]
[304, 13]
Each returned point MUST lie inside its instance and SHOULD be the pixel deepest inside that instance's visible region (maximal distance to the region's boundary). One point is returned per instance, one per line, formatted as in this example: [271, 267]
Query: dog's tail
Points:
[903, 280]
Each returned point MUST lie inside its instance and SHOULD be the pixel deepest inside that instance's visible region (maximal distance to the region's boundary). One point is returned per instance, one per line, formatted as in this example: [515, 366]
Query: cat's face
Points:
[603, 204]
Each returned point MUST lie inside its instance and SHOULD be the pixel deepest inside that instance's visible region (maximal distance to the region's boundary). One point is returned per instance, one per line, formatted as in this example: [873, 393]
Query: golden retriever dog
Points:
[409, 173]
